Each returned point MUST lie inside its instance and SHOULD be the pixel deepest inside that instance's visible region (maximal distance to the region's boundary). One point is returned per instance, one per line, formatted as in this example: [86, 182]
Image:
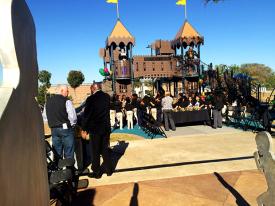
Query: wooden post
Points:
[182, 68]
[199, 54]
[131, 67]
[113, 68]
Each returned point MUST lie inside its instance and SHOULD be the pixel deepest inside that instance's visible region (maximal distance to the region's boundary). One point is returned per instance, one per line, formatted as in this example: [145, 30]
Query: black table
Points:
[191, 116]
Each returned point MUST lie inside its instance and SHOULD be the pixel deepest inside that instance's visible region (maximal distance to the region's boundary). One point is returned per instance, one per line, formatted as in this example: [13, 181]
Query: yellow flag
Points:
[112, 1]
[181, 2]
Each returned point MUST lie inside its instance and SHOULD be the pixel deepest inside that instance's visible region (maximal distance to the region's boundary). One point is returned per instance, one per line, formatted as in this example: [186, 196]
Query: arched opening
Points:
[121, 45]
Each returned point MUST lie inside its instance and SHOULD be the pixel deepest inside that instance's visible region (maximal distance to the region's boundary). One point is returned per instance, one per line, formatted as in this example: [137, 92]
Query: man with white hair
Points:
[62, 118]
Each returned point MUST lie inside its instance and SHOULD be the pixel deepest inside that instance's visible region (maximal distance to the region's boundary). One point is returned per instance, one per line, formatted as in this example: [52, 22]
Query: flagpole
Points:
[117, 11]
[185, 12]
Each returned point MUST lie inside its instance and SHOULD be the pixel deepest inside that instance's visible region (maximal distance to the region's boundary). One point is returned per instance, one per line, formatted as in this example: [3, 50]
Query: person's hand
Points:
[84, 135]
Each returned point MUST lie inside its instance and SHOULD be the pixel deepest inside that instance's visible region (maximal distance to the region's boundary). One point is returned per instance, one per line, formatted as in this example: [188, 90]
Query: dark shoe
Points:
[219, 127]
[82, 172]
[109, 173]
[214, 127]
[97, 175]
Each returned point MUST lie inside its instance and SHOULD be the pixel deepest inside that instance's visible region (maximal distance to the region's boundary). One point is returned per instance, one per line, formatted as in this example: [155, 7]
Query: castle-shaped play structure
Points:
[173, 64]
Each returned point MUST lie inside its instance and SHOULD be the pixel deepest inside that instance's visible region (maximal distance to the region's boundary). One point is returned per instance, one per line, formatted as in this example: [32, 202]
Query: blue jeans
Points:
[63, 139]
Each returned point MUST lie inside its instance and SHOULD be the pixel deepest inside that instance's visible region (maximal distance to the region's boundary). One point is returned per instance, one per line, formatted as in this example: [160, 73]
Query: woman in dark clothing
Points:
[118, 108]
[128, 105]
[190, 101]
[135, 104]
[134, 101]
[183, 102]
[141, 109]
[218, 103]
[117, 104]
[129, 113]
[158, 106]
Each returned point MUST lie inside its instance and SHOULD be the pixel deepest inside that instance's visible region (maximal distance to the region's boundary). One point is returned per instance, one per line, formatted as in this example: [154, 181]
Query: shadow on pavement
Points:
[84, 198]
[239, 198]
[134, 198]
[117, 151]
[183, 163]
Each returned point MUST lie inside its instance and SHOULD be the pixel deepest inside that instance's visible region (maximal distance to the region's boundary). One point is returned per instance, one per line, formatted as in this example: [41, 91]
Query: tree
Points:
[44, 78]
[75, 79]
[149, 83]
[259, 72]
[221, 68]
[270, 83]
[235, 68]
[137, 83]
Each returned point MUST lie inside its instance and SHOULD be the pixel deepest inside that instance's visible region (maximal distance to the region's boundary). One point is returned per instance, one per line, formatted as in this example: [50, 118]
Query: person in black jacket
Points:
[96, 121]
[183, 102]
[129, 112]
[119, 112]
[159, 107]
[218, 103]
[142, 108]
[135, 104]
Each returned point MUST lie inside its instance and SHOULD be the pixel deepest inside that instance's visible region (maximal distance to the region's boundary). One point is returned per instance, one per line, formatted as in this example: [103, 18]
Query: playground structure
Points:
[175, 66]
[168, 63]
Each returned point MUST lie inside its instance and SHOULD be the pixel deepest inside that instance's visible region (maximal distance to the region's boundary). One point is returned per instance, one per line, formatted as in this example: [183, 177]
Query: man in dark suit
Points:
[96, 121]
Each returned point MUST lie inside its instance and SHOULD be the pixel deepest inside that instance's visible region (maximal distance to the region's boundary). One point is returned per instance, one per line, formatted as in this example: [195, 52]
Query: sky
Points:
[69, 33]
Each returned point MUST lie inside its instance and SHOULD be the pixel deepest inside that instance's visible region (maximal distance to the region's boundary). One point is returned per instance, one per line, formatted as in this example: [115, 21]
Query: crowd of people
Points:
[125, 110]
[101, 114]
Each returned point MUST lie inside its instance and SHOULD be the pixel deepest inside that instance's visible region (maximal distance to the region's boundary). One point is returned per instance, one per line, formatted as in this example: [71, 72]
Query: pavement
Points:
[219, 189]
[195, 165]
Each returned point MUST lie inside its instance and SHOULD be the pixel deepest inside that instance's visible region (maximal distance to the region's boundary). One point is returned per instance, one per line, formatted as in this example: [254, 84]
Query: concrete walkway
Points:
[195, 165]
[220, 189]
[192, 151]
[201, 130]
